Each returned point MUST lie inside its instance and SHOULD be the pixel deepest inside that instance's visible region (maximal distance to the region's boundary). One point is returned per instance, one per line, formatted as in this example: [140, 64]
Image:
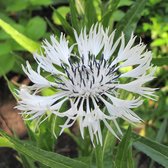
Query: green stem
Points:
[99, 156]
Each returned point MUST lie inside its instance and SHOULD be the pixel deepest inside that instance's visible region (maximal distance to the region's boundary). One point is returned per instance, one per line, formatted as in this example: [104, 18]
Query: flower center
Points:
[88, 78]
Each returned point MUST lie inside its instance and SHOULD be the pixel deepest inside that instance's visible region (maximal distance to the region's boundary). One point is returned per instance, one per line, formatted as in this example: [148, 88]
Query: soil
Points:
[11, 122]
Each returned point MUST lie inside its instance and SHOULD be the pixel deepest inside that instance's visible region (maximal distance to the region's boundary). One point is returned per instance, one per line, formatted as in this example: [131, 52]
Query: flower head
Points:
[89, 76]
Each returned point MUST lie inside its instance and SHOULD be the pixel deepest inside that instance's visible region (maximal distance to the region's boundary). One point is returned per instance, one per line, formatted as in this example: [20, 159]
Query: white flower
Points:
[88, 76]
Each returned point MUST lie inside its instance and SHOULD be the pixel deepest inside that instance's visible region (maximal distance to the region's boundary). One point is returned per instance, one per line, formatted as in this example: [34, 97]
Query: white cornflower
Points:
[89, 76]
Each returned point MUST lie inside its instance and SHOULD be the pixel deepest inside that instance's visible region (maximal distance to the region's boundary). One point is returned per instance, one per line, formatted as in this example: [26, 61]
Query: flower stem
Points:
[99, 156]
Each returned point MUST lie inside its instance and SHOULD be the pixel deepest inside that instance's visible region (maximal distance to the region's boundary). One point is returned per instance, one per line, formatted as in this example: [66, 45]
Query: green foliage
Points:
[65, 24]
[108, 149]
[99, 156]
[24, 41]
[90, 13]
[36, 28]
[160, 61]
[128, 23]
[50, 159]
[74, 16]
[155, 27]
[123, 155]
[5, 68]
[156, 151]
[107, 14]
[5, 142]
[63, 11]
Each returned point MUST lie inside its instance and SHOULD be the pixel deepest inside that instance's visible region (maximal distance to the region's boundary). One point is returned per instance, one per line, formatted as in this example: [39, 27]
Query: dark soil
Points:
[8, 158]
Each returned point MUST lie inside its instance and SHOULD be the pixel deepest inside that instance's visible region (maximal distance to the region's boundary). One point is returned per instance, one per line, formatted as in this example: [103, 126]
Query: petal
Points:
[36, 78]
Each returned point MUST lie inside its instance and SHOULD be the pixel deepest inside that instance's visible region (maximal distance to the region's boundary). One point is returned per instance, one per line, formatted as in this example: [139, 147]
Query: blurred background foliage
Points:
[25, 23]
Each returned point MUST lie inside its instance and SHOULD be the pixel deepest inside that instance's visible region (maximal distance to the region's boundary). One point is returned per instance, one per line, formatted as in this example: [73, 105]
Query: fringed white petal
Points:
[46, 64]
[136, 86]
[109, 45]
[36, 78]
[57, 51]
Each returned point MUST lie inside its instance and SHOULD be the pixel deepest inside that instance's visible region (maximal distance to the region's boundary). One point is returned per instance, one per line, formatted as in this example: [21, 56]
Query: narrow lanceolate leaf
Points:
[24, 41]
[123, 156]
[49, 159]
[108, 14]
[108, 148]
[11, 87]
[74, 15]
[99, 156]
[53, 27]
[90, 13]
[162, 131]
[160, 135]
[109, 142]
[160, 61]
[65, 24]
[129, 21]
[153, 149]
[4, 142]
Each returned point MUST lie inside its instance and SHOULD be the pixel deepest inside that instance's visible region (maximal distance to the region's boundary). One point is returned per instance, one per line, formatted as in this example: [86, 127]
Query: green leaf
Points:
[90, 13]
[41, 2]
[27, 162]
[99, 156]
[17, 6]
[108, 147]
[53, 27]
[160, 61]
[80, 6]
[4, 142]
[19, 60]
[130, 159]
[159, 42]
[123, 152]
[24, 41]
[3, 35]
[50, 159]
[162, 131]
[108, 14]
[125, 3]
[160, 135]
[5, 48]
[7, 62]
[131, 18]
[64, 23]
[118, 15]
[74, 15]
[86, 159]
[153, 149]
[45, 130]
[32, 26]
[11, 87]
[63, 11]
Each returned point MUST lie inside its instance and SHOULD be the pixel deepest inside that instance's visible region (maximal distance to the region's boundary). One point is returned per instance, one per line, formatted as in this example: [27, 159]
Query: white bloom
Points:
[90, 78]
